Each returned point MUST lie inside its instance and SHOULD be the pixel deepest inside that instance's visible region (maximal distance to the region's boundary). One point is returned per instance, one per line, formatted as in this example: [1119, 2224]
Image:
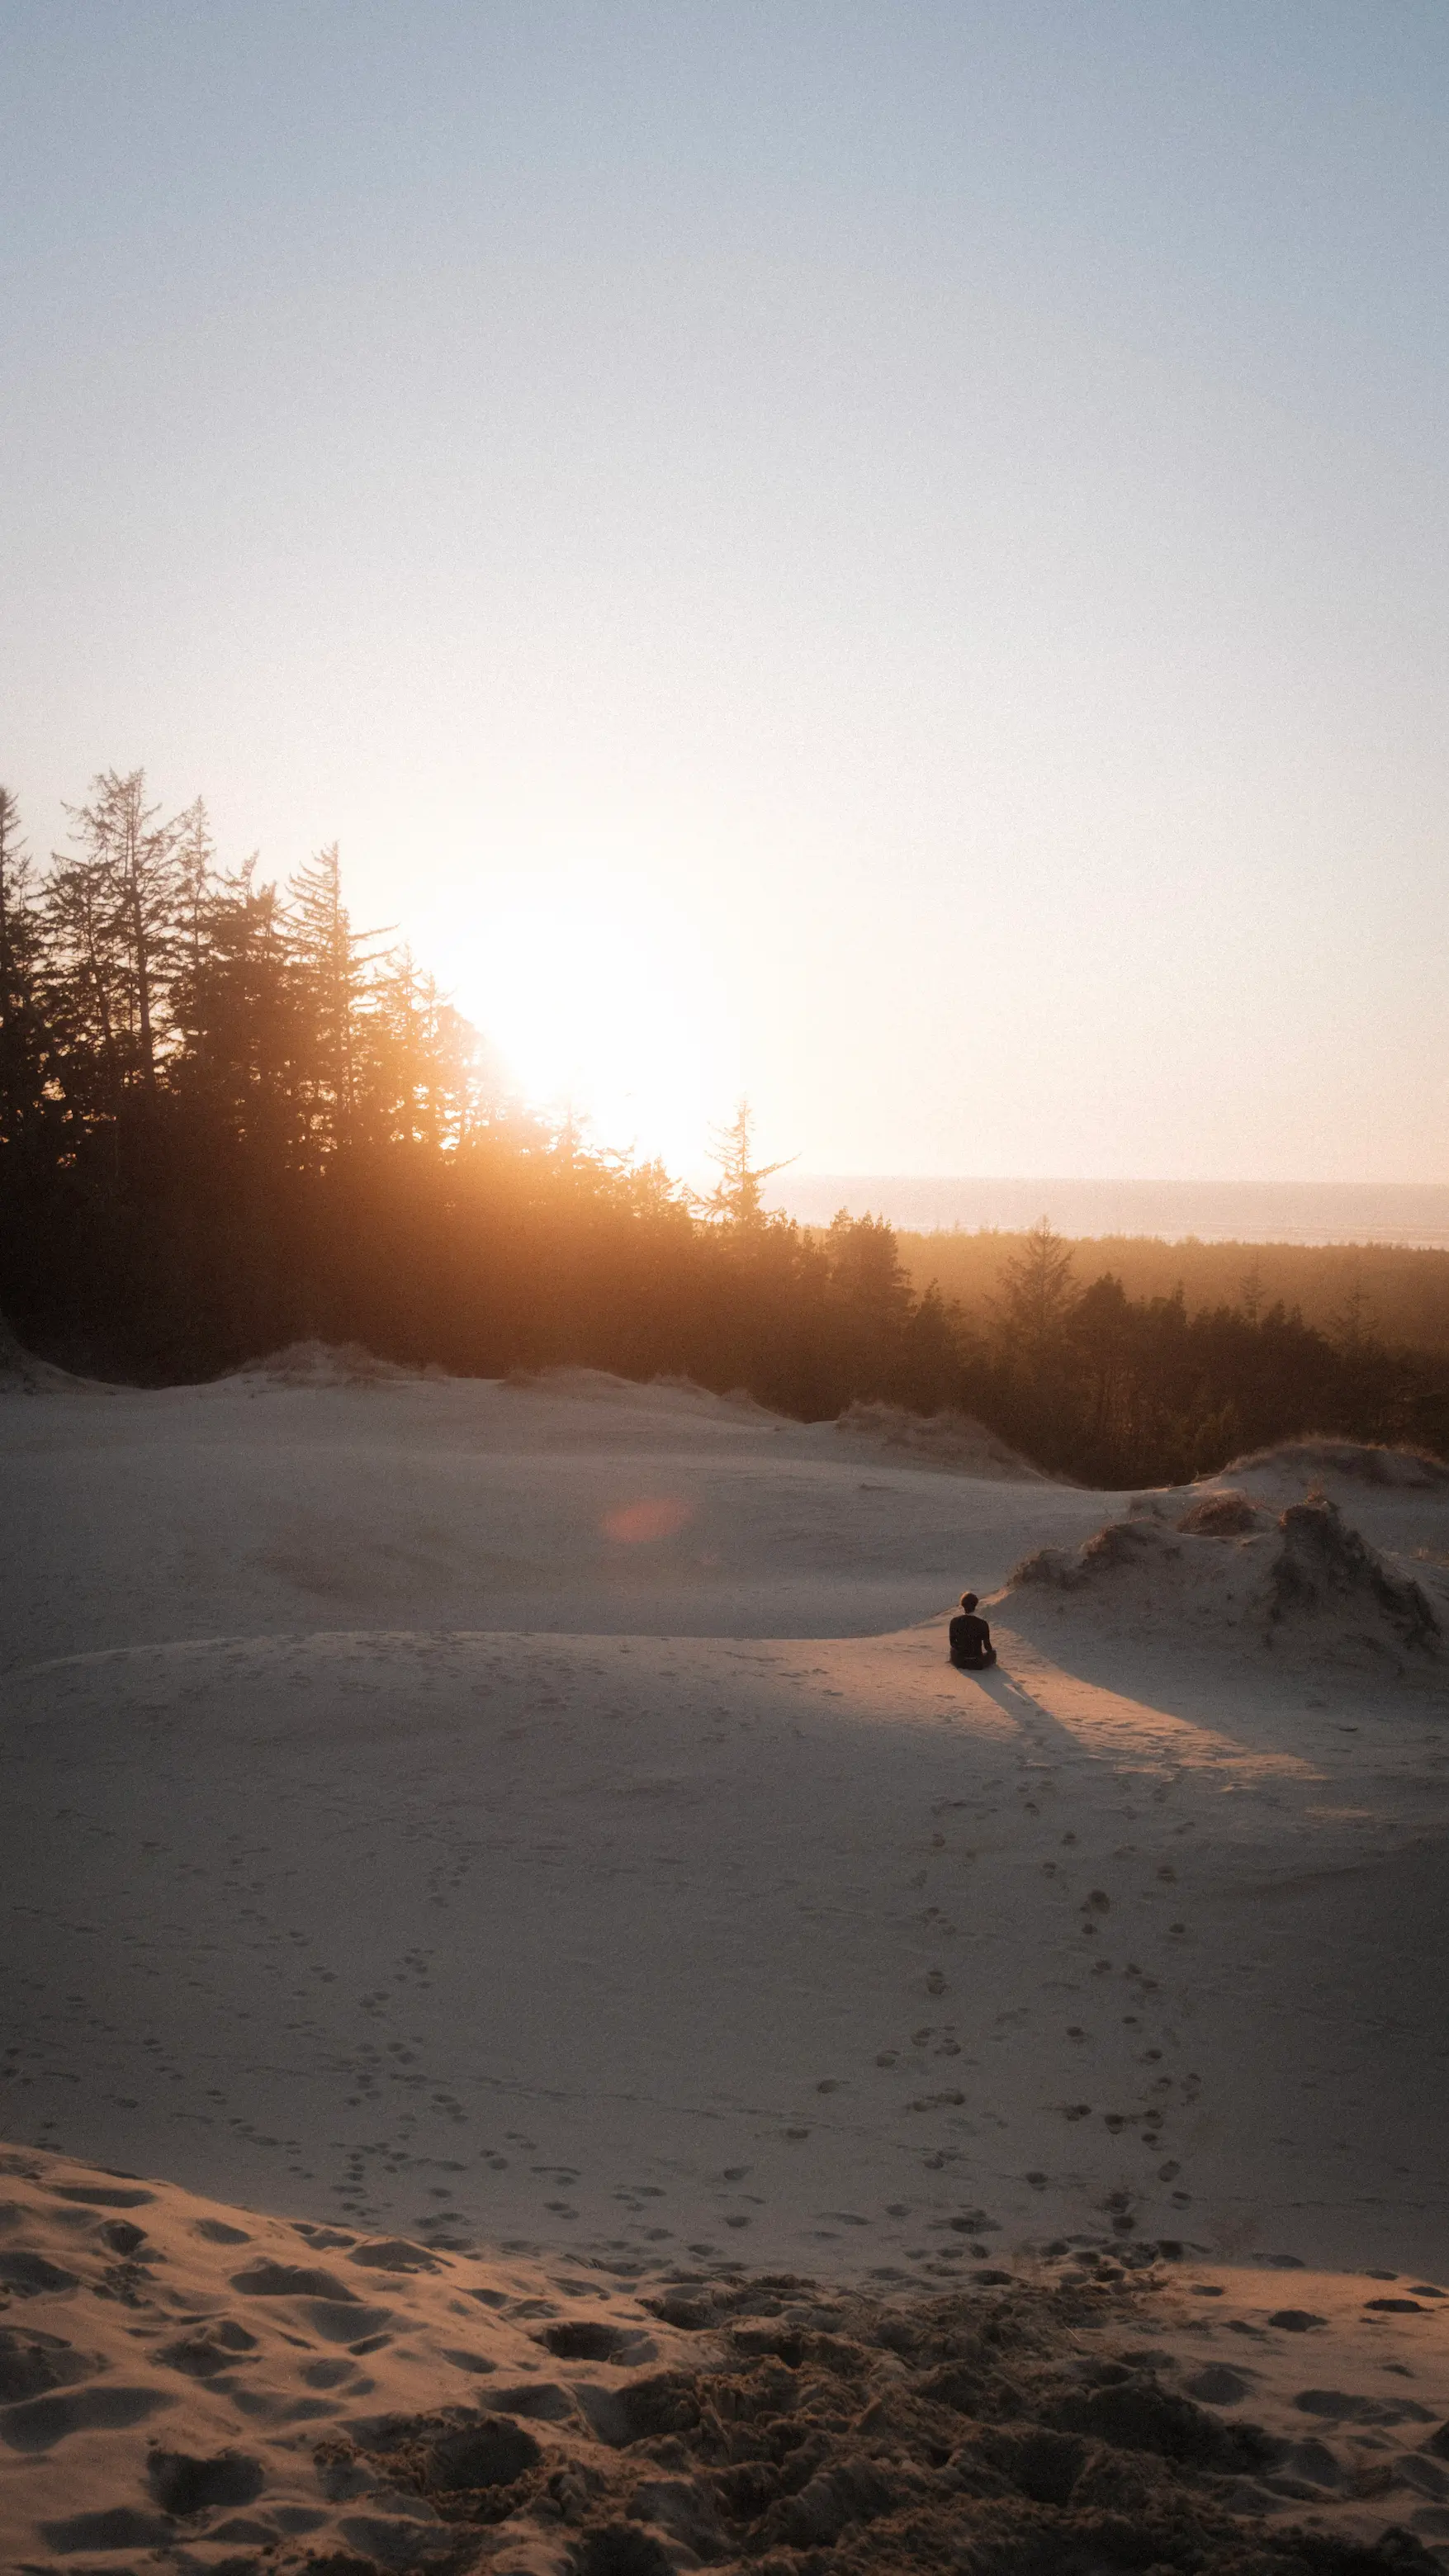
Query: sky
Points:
[886, 558]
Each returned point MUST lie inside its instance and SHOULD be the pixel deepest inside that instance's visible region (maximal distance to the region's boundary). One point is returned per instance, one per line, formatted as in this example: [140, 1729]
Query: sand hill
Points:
[1228, 1574]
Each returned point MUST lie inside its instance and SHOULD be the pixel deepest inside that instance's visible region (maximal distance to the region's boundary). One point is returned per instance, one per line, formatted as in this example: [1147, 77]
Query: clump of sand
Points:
[216, 2390]
[1324, 1569]
[1230, 1573]
[952, 1440]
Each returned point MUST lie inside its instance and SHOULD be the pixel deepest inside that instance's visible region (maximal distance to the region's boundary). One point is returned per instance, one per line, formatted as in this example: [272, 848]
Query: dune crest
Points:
[951, 1440]
[321, 1364]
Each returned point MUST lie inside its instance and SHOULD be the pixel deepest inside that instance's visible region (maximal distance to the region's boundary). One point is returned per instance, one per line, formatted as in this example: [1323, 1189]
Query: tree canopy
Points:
[230, 1119]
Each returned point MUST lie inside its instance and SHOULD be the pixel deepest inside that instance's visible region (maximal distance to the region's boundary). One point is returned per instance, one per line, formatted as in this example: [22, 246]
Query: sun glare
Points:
[599, 1007]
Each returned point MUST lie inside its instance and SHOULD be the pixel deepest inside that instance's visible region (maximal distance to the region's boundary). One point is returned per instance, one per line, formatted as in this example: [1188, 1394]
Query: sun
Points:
[600, 1004]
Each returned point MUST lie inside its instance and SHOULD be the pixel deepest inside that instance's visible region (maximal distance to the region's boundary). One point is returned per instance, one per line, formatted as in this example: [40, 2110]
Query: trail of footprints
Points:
[1156, 2098]
[938, 2057]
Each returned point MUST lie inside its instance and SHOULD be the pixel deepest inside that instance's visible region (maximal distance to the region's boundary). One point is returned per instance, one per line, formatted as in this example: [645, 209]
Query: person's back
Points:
[970, 1637]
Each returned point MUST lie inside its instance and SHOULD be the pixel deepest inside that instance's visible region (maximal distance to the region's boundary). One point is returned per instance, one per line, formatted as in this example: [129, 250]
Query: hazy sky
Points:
[892, 556]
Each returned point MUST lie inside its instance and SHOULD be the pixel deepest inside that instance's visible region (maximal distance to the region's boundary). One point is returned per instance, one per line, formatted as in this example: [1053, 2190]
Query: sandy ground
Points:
[529, 1819]
[260, 1509]
[191, 2386]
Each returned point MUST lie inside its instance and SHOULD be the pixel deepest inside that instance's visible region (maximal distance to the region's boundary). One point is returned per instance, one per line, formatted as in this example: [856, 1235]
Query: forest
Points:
[1397, 1290]
[229, 1120]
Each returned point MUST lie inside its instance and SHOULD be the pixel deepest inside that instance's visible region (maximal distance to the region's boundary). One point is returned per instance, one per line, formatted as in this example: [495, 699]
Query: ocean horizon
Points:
[1405, 1212]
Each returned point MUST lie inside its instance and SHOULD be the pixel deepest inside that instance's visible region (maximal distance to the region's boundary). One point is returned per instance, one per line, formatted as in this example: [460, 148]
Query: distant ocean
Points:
[1213, 1211]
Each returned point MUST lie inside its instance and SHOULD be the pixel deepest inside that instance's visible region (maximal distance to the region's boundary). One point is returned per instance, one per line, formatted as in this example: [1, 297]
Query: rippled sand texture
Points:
[188, 2385]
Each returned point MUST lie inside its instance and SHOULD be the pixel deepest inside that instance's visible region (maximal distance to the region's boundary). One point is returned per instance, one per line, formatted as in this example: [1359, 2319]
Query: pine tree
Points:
[130, 856]
[869, 1303]
[735, 1200]
[332, 960]
[237, 1010]
[865, 1270]
[1037, 1296]
[195, 867]
[22, 1024]
[84, 989]
[407, 1085]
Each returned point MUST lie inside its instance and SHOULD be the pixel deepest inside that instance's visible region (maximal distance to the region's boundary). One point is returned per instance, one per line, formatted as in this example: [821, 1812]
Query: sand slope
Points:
[810, 1944]
[264, 1507]
[187, 2385]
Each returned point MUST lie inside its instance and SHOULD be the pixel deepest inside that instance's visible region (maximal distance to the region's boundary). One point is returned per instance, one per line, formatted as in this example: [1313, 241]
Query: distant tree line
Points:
[1116, 1390]
[230, 1120]
[1398, 1290]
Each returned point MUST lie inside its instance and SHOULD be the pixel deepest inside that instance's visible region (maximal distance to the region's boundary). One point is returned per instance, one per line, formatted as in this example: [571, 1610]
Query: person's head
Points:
[969, 1600]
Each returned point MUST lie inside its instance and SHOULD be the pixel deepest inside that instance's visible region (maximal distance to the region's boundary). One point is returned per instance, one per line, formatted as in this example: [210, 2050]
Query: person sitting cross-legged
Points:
[971, 1648]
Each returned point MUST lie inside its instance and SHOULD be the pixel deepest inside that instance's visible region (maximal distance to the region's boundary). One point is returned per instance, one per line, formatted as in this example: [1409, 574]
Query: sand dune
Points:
[1301, 1585]
[539, 1821]
[252, 1508]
